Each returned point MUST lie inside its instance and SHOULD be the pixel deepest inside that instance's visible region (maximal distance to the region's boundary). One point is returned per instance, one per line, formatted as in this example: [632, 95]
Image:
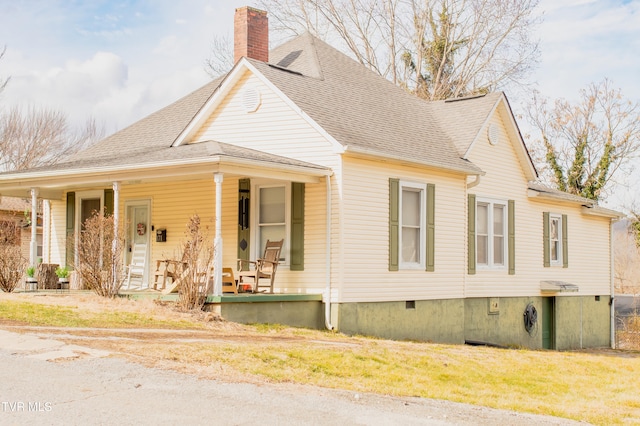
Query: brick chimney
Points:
[250, 34]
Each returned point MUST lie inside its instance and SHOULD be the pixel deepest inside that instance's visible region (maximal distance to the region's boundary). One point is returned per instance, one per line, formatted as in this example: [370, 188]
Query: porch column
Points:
[217, 242]
[33, 251]
[116, 232]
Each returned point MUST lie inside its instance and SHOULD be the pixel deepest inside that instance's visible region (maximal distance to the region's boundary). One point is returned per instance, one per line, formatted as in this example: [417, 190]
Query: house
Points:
[401, 218]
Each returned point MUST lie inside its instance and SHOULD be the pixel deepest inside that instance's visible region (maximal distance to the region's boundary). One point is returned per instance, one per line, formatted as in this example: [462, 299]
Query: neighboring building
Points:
[415, 220]
[18, 210]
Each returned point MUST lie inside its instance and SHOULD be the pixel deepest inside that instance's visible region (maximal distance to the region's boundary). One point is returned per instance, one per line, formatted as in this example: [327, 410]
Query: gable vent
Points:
[494, 134]
[250, 100]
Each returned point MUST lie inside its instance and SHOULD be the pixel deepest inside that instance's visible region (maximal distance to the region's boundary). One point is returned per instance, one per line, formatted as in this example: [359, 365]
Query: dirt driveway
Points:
[51, 375]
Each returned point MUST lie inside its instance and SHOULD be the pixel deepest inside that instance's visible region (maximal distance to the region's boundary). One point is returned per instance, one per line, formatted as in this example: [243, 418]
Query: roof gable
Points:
[466, 120]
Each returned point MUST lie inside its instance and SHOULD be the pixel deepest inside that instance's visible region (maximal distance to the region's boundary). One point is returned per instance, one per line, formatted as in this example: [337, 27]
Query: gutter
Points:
[472, 169]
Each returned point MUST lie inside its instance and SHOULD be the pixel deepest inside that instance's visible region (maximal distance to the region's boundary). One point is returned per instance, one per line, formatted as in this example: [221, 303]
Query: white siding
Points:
[58, 235]
[366, 235]
[274, 128]
[588, 236]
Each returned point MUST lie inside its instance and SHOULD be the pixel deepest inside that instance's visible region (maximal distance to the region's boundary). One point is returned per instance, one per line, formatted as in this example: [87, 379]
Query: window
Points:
[271, 210]
[491, 234]
[491, 220]
[411, 225]
[555, 240]
[272, 217]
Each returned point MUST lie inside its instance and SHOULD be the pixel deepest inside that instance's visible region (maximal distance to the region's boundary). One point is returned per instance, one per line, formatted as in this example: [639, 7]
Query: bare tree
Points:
[582, 146]
[100, 255]
[435, 48]
[627, 259]
[220, 59]
[195, 270]
[12, 263]
[35, 137]
[3, 81]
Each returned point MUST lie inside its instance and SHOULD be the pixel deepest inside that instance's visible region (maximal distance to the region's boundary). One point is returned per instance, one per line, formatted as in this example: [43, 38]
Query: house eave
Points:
[588, 207]
[472, 170]
[52, 182]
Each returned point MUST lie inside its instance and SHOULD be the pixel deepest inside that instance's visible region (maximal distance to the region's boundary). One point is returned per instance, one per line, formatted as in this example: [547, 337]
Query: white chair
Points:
[137, 266]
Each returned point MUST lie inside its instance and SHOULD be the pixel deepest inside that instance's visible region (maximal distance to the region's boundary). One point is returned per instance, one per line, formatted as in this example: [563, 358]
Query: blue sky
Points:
[120, 60]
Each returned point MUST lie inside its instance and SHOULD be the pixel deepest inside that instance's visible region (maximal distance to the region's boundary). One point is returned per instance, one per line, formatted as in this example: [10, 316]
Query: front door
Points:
[138, 231]
[548, 323]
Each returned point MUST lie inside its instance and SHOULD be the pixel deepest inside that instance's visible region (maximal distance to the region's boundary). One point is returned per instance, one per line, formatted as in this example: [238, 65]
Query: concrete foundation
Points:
[574, 321]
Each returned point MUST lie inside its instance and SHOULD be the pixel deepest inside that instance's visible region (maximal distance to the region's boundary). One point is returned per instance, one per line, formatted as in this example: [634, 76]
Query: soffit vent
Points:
[250, 99]
[494, 134]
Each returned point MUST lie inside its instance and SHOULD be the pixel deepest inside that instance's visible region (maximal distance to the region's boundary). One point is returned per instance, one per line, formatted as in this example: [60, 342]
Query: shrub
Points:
[197, 256]
[100, 256]
[12, 263]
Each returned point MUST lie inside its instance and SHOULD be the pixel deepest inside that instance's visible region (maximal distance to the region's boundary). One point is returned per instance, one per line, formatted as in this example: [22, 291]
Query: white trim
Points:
[225, 87]
[256, 185]
[490, 265]
[558, 262]
[421, 188]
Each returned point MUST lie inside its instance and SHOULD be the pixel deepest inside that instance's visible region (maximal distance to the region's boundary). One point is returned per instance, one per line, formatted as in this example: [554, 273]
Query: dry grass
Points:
[600, 387]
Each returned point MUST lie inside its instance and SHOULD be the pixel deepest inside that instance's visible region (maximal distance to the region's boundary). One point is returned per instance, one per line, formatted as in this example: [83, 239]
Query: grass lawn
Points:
[601, 387]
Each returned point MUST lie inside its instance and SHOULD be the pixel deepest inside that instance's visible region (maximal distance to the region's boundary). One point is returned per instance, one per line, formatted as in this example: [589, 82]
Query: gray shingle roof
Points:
[462, 118]
[184, 153]
[359, 109]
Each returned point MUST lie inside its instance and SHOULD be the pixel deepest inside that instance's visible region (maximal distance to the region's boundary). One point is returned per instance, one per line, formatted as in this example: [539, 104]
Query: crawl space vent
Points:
[250, 100]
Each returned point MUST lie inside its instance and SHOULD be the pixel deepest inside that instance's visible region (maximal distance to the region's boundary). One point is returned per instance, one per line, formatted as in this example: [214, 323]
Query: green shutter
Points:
[297, 227]
[71, 219]
[394, 222]
[471, 225]
[108, 202]
[545, 239]
[512, 238]
[244, 192]
[565, 242]
[431, 226]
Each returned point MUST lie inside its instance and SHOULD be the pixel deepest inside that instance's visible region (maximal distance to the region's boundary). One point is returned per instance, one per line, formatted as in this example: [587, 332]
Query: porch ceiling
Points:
[199, 161]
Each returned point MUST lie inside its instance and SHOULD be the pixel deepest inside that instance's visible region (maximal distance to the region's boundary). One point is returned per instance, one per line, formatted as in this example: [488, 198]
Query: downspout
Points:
[327, 293]
[474, 183]
[612, 279]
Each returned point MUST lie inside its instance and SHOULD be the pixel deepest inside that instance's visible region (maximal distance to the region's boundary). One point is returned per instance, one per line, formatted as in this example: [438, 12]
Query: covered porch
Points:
[242, 196]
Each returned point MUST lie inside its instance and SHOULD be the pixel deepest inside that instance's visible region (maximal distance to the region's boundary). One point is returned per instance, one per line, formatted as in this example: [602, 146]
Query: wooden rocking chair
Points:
[135, 270]
[264, 267]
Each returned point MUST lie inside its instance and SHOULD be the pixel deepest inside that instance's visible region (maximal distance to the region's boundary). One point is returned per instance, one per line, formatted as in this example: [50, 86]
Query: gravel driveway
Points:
[44, 381]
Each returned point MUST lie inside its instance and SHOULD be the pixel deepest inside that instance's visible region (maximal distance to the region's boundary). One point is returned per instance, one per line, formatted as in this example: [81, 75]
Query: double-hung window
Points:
[555, 239]
[555, 231]
[491, 231]
[412, 225]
